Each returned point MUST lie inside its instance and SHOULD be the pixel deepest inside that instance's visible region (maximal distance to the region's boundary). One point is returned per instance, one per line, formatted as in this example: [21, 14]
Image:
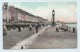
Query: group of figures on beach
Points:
[66, 28]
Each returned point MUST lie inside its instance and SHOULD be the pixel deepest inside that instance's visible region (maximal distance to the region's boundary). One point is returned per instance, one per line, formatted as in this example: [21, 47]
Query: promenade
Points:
[13, 36]
[51, 39]
[48, 38]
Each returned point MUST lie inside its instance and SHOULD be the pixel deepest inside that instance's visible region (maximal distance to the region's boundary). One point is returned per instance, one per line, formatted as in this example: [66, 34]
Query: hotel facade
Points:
[13, 15]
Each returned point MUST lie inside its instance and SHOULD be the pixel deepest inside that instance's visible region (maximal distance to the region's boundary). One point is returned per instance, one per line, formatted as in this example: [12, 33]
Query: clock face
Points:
[53, 12]
[4, 7]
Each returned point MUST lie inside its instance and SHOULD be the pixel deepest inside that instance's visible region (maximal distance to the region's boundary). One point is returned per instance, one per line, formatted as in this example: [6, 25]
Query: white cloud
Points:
[66, 14]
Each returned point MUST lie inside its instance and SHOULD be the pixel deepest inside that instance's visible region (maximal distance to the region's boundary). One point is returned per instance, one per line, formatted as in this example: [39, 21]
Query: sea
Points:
[72, 25]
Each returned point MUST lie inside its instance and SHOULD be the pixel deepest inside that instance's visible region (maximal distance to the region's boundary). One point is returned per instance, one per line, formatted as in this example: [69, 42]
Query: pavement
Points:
[13, 37]
[28, 41]
[50, 39]
[47, 38]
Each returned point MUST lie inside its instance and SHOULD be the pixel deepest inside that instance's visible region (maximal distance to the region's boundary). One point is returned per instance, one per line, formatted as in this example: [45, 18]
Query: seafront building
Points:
[14, 15]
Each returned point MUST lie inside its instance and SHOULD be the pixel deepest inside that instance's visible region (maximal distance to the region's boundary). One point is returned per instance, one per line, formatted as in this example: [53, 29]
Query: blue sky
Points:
[63, 10]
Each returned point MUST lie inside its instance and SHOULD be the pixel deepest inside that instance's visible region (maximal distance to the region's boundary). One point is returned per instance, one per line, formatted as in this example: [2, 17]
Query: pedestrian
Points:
[73, 30]
[21, 47]
[14, 26]
[37, 27]
[4, 31]
[30, 28]
[59, 27]
[23, 26]
[69, 29]
[19, 29]
[57, 30]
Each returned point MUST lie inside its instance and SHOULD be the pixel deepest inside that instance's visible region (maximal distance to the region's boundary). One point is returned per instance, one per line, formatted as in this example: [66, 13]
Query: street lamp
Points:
[5, 10]
[53, 14]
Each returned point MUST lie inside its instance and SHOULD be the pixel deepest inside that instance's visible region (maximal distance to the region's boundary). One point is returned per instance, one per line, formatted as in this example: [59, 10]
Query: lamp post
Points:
[53, 19]
[5, 9]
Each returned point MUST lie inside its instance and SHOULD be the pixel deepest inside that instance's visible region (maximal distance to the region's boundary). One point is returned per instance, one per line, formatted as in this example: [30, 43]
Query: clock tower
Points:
[53, 19]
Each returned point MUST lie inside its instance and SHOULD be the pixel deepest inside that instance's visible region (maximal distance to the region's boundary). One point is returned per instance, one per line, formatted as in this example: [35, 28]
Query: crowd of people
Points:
[30, 27]
[66, 28]
[37, 26]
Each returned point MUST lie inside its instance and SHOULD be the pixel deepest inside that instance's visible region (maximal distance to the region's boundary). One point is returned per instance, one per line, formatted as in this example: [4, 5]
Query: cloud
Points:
[62, 13]
[67, 14]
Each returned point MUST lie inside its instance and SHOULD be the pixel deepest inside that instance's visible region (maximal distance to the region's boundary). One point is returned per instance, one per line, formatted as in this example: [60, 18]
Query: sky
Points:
[64, 11]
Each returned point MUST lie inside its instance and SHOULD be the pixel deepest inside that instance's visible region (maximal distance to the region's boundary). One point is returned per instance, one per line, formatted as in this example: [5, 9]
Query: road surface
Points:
[51, 39]
[13, 36]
